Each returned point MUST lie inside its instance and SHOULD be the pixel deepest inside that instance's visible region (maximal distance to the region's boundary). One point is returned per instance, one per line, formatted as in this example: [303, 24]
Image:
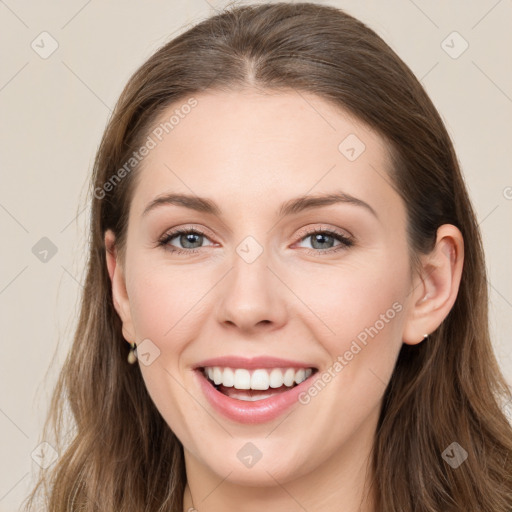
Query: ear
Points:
[119, 293]
[435, 288]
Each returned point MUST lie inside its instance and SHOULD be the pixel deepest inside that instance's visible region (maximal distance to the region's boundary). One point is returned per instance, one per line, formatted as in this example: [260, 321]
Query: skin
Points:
[250, 151]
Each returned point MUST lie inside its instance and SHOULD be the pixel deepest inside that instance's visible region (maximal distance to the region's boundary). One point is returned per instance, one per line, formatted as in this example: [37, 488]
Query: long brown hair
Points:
[121, 455]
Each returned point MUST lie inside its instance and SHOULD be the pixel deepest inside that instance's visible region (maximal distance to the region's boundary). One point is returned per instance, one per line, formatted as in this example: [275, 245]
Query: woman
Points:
[282, 240]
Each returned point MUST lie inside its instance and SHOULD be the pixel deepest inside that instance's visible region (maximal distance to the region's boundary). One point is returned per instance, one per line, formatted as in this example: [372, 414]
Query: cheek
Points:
[165, 303]
[359, 320]
[350, 298]
[163, 300]
[359, 324]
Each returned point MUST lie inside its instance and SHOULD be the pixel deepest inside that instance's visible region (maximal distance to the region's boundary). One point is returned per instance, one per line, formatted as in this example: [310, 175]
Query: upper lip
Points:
[252, 362]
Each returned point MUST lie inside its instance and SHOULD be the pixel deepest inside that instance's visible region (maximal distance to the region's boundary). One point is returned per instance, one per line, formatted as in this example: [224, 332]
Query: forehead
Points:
[252, 149]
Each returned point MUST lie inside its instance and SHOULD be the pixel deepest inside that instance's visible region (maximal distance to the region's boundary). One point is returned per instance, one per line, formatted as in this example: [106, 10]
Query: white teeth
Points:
[276, 378]
[260, 379]
[300, 376]
[289, 377]
[228, 377]
[242, 379]
[217, 375]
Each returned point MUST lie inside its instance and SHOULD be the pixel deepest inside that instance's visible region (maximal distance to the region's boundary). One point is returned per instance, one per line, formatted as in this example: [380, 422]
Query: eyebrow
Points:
[290, 207]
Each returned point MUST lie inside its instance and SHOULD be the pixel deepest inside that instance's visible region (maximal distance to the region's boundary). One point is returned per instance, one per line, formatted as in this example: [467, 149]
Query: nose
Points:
[252, 297]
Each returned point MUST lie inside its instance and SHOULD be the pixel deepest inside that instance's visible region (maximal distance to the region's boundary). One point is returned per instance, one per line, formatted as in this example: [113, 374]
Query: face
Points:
[273, 289]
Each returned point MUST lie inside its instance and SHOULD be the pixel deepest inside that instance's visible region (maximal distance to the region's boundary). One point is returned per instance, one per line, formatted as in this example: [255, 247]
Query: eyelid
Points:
[346, 239]
[176, 231]
[327, 228]
[179, 230]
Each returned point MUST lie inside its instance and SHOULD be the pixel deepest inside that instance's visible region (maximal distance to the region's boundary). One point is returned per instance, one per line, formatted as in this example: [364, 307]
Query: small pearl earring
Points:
[425, 336]
[132, 357]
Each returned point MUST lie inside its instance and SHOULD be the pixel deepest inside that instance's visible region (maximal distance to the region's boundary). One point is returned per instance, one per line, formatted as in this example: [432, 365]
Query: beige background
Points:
[53, 112]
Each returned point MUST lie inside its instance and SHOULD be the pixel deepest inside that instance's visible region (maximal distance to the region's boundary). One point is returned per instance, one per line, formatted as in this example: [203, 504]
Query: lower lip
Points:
[259, 411]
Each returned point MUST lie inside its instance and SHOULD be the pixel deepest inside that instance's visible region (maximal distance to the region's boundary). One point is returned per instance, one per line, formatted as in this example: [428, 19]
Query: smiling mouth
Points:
[257, 384]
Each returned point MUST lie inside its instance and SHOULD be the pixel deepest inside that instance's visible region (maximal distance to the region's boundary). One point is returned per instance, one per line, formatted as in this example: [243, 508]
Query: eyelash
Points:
[346, 242]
